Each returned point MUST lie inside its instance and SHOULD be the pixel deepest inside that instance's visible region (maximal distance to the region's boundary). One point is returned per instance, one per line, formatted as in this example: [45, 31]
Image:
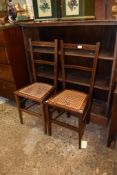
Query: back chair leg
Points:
[44, 117]
[88, 117]
[68, 114]
[19, 110]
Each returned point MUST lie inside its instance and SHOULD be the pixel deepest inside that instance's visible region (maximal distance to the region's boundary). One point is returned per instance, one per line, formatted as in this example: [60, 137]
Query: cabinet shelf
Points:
[106, 55]
[98, 112]
[101, 83]
[103, 55]
[74, 78]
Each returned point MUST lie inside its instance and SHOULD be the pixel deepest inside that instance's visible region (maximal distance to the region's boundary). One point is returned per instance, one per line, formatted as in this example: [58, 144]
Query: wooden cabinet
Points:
[13, 65]
[84, 32]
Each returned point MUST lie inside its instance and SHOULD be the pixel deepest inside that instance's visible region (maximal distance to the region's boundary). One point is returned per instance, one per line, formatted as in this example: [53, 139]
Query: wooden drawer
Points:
[3, 56]
[2, 41]
[5, 72]
[7, 89]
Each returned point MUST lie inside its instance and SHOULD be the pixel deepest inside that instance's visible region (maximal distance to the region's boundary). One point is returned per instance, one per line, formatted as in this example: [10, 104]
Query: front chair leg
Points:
[80, 132]
[48, 117]
[80, 140]
[44, 118]
[18, 106]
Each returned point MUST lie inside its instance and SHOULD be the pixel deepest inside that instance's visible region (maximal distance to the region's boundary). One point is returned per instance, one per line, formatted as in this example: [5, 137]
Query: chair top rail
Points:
[43, 44]
[90, 47]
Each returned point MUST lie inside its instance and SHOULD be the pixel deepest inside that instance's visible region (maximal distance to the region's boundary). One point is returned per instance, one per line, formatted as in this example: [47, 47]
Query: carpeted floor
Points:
[25, 150]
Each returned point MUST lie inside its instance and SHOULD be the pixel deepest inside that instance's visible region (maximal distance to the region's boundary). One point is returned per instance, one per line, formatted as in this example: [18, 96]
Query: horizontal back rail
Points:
[43, 44]
[80, 46]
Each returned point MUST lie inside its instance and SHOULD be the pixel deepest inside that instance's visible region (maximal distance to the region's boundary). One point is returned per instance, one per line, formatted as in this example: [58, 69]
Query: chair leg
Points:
[48, 118]
[88, 115]
[80, 140]
[80, 132]
[18, 106]
[88, 118]
[44, 118]
[68, 114]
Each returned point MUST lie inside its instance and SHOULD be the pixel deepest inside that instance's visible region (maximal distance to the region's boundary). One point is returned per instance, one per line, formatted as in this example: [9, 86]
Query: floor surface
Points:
[25, 150]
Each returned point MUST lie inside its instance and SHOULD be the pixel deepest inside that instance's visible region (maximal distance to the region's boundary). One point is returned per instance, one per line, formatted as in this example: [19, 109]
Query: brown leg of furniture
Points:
[19, 111]
[68, 114]
[44, 118]
[48, 119]
[80, 133]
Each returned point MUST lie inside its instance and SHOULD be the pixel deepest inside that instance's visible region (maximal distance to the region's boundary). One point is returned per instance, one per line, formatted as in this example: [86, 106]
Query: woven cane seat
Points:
[70, 99]
[36, 90]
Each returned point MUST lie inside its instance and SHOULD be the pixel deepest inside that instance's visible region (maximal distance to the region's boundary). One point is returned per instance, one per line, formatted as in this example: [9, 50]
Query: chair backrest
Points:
[44, 58]
[82, 59]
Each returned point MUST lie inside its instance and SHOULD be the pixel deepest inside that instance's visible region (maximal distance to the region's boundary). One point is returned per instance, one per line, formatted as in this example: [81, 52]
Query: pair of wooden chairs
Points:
[73, 102]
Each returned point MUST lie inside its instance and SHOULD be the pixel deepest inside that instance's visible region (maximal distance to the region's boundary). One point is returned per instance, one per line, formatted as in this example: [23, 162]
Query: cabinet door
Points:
[3, 56]
[6, 73]
[2, 41]
[7, 89]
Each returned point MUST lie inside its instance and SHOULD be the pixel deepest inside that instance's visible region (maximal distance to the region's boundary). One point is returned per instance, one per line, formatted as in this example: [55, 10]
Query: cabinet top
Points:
[68, 23]
[6, 26]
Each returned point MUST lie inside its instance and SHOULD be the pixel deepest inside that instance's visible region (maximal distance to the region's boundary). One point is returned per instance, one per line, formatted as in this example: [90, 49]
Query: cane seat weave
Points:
[70, 99]
[37, 90]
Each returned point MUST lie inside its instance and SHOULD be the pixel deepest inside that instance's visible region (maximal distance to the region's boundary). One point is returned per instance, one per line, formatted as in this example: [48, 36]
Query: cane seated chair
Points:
[74, 101]
[37, 92]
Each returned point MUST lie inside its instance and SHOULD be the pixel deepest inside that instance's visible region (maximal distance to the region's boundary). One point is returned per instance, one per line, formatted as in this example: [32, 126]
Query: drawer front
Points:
[2, 41]
[5, 72]
[3, 56]
[7, 89]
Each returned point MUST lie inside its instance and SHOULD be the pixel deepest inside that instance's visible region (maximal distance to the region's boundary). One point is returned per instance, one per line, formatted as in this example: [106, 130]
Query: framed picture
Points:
[3, 11]
[22, 8]
[46, 9]
[77, 9]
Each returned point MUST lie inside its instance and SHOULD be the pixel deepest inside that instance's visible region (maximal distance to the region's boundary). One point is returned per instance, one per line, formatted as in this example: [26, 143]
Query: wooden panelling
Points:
[13, 64]
[7, 89]
[5, 72]
[3, 56]
[2, 41]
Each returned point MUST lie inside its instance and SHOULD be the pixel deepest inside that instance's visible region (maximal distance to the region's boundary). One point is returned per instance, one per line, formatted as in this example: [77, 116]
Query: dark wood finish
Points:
[7, 88]
[113, 123]
[38, 91]
[74, 102]
[13, 64]
[100, 9]
[109, 4]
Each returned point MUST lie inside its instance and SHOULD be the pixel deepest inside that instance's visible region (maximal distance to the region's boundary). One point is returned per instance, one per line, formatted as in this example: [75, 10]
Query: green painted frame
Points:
[55, 10]
[86, 10]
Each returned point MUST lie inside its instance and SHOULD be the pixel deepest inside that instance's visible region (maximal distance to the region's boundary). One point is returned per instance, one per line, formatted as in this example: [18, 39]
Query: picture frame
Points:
[3, 11]
[46, 9]
[22, 10]
[78, 9]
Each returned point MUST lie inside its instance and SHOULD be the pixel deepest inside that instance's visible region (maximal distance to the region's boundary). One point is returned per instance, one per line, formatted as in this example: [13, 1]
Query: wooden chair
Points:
[74, 102]
[39, 91]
